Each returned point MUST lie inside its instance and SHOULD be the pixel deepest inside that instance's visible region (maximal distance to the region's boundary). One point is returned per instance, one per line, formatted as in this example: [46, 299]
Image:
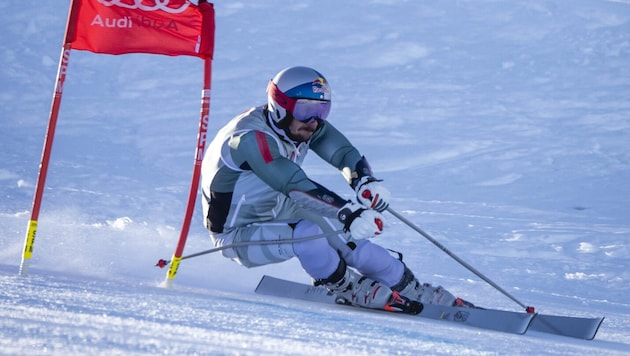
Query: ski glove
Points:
[372, 194]
[360, 222]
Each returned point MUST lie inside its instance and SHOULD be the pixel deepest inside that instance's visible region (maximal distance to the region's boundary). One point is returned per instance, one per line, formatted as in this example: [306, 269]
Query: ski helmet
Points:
[298, 92]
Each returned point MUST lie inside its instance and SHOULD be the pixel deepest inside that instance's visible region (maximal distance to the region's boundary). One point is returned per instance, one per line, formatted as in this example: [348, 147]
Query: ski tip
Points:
[530, 310]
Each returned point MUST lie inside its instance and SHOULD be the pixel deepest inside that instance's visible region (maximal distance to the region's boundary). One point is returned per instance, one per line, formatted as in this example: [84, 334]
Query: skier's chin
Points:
[302, 134]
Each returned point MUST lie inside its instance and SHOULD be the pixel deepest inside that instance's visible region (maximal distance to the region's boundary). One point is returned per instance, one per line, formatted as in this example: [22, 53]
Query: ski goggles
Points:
[304, 110]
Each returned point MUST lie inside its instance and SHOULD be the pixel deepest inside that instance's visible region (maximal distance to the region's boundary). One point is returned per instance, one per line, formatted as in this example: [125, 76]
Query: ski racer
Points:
[255, 191]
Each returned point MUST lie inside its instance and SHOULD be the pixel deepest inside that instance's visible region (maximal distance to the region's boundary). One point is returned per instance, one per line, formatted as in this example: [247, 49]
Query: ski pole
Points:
[163, 263]
[528, 309]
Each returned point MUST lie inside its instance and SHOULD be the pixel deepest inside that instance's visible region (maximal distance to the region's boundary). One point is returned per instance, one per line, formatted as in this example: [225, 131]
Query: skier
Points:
[255, 190]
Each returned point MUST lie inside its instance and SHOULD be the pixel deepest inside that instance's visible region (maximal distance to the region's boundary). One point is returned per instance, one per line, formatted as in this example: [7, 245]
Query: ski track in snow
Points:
[501, 128]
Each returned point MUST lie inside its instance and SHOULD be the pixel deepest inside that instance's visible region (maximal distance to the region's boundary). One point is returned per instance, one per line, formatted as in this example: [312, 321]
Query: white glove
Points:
[372, 194]
[360, 222]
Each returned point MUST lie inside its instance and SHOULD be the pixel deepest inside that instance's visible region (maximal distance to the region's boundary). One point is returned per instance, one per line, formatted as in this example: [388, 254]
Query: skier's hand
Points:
[372, 194]
[360, 222]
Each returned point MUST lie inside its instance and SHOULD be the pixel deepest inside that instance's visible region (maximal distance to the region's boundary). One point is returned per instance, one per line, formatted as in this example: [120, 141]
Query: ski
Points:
[489, 319]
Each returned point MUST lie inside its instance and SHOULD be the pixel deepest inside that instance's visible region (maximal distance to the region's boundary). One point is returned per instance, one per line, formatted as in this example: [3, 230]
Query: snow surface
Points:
[502, 128]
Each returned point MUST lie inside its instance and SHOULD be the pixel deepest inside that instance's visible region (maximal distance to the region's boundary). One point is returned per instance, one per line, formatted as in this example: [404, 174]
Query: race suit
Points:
[254, 189]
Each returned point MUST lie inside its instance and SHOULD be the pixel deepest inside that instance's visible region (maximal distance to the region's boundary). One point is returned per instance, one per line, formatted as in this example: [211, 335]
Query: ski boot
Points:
[355, 289]
[425, 293]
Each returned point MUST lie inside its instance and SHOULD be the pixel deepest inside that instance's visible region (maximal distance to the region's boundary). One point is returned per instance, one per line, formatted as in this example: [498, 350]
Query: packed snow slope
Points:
[501, 127]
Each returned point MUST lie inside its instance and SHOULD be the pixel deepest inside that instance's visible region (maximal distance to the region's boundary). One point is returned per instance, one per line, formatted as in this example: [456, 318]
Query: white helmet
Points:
[300, 93]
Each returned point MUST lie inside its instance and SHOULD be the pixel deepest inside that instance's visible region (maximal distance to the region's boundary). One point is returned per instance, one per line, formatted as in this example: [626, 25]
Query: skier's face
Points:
[302, 131]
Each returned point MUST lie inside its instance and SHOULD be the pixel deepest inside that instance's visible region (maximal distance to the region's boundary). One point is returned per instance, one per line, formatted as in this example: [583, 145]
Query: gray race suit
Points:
[254, 189]
[260, 167]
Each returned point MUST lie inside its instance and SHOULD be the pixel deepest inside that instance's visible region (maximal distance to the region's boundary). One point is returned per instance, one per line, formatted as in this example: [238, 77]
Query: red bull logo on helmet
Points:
[320, 86]
[315, 89]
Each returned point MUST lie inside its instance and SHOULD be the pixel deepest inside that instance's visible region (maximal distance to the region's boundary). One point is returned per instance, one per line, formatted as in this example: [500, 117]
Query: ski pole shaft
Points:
[163, 263]
[456, 258]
